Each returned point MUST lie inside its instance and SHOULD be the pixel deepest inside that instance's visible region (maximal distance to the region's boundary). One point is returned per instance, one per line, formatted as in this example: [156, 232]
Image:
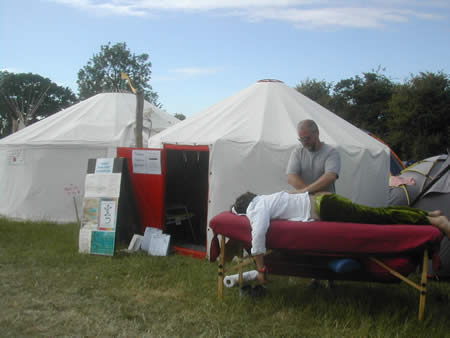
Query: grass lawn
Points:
[48, 289]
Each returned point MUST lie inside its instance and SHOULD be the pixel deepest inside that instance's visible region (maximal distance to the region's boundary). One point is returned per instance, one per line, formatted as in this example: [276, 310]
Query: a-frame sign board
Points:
[109, 210]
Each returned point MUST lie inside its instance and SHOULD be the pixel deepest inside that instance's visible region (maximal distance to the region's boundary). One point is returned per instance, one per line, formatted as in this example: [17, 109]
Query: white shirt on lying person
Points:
[281, 205]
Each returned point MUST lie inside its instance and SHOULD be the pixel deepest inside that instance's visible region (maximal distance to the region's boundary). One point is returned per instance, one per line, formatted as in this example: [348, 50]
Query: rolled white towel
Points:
[232, 280]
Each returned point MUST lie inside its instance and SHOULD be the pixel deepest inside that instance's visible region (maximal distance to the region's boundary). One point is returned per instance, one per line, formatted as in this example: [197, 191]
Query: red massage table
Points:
[384, 253]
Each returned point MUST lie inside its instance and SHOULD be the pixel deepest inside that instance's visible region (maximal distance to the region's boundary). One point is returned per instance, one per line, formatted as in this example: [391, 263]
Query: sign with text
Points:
[146, 161]
[104, 165]
[16, 156]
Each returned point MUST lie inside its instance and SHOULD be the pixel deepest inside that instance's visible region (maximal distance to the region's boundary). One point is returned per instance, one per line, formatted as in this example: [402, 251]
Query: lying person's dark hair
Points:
[242, 202]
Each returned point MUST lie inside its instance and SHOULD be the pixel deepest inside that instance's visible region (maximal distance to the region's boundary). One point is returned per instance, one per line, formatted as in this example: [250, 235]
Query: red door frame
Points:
[149, 190]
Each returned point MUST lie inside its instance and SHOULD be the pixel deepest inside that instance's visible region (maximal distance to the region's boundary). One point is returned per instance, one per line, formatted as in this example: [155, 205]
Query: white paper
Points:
[16, 157]
[104, 165]
[232, 280]
[102, 185]
[107, 215]
[72, 190]
[89, 218]
[84, 241]
[135, 243]
[146, 162]
[159, 245]
[149, 231]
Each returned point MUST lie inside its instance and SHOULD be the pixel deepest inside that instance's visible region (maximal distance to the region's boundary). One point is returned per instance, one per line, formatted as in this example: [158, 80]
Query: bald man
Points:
[314, 165]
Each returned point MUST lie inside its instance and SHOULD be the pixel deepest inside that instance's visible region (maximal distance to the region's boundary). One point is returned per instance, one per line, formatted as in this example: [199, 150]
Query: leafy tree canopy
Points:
[103, 73]
[363, 101]
[318, 91]
[412, 117]
[26, 98]
[419, 116]
[180, 117]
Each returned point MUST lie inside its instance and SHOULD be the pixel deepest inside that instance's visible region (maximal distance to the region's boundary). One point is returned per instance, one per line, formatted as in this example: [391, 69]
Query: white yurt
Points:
[43, 166]
[251, 134]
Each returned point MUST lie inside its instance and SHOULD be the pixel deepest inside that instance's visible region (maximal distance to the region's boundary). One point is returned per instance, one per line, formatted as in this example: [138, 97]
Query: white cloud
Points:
[106, 7]
[301, 13]
[333, 17]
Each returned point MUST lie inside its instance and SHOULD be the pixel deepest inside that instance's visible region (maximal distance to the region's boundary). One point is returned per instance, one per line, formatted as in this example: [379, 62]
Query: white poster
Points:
[149, 232]
[135, 243]
[159, 245]
[84, 241]
[102, 185]
[16, 157]
[104, 165]
[146, 162]
[107, 215]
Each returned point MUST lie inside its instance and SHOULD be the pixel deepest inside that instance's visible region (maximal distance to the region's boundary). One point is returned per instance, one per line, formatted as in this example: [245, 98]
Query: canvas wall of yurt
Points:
[42, 167]
[243, 143]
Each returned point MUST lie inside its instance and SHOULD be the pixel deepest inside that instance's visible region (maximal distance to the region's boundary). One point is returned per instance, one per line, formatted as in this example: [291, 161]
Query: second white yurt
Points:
[43, 166]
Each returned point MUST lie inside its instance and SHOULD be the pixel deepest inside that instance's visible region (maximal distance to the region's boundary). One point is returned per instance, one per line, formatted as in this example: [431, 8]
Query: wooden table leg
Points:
[423, 283]
[221, 268]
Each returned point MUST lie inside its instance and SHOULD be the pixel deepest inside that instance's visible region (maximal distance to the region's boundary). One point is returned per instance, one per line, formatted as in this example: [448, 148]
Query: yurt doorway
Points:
[186, 198]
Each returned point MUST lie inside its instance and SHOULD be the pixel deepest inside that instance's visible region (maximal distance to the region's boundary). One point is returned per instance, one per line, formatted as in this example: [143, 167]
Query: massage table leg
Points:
[221, 268]
[423, 281]
[423, 284]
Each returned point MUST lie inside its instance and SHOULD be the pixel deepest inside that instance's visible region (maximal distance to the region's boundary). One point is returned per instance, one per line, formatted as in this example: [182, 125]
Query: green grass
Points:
[48, 289]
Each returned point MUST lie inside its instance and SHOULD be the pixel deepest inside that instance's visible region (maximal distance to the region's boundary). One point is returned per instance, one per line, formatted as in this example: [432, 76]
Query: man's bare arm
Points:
[296, 181]
[319, 185]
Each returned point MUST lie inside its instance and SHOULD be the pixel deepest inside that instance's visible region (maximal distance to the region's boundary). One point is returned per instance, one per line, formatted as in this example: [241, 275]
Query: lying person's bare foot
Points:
[442, 223]
[445, 225]
[435, 213]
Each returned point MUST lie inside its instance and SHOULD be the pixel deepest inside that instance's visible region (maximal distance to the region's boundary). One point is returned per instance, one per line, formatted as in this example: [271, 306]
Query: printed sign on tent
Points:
[16, 157]
[146, 161]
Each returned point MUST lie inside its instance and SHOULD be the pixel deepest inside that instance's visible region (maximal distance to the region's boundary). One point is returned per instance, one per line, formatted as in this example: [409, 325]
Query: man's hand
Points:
[321, 183]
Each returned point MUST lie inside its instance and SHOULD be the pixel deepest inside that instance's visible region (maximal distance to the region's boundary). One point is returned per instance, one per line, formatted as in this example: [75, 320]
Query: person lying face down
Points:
[294, 206]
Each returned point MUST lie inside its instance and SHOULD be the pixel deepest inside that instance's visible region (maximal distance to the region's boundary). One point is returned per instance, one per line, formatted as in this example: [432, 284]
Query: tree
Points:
[180, 117]
[26, 98]
[103, 73]
[4, 117]
[419, 121]
[364, 101]
[318, 91]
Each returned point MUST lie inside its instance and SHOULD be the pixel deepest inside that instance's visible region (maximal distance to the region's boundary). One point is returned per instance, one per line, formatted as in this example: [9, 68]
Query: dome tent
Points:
[40, 163]
[430, 191]
[251, 134]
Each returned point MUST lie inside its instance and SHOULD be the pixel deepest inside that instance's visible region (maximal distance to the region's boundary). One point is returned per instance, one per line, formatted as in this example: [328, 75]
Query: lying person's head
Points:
[242, 202]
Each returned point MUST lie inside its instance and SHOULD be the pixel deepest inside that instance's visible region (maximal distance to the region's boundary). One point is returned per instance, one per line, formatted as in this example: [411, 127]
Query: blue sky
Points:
[203, 51]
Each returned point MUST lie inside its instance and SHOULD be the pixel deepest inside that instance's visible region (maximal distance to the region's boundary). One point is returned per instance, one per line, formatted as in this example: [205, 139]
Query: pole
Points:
[437, 178]
[76, 211]
[139, 117]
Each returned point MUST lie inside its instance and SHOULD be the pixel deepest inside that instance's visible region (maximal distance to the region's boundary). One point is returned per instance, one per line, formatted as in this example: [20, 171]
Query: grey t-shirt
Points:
[310, 165]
